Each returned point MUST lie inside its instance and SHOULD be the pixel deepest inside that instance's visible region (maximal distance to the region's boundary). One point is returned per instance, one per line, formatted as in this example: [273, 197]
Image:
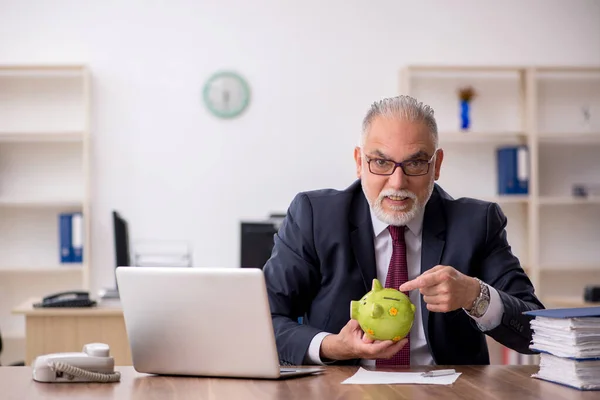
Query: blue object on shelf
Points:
[65, 238]
[513, 170]
[465, 118]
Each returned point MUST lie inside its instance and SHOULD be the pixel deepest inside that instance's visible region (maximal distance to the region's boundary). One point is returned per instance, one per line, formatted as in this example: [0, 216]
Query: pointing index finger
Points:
[410, 285]
[420, 282]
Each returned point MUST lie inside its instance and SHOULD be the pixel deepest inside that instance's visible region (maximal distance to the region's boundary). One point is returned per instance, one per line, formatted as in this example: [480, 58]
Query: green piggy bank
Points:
[384, 314]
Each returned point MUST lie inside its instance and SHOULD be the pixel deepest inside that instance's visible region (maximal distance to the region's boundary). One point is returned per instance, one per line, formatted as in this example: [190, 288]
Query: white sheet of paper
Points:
[365, 377]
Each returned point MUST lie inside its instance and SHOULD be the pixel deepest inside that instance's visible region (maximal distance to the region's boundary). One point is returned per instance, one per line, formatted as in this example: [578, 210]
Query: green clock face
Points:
[226, 94]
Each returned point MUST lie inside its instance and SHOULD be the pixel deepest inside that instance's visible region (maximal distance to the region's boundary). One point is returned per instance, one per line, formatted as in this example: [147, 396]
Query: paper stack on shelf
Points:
[569, 342]
[158, 253]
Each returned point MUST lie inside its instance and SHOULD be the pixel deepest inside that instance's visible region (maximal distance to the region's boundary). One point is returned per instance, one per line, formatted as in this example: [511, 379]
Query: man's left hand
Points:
[444, 289]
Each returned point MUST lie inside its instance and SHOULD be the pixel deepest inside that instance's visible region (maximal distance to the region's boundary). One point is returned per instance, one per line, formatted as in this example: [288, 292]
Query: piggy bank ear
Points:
[376, 285]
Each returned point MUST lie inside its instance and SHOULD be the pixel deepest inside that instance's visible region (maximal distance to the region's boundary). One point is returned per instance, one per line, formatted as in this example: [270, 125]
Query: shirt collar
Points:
[415, 225]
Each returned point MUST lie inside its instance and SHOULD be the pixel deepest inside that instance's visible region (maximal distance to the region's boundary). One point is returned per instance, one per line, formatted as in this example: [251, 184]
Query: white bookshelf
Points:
[44, 171]
[554, 234]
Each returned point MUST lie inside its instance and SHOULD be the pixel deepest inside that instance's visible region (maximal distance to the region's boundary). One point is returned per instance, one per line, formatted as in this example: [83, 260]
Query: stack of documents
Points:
[569, 342]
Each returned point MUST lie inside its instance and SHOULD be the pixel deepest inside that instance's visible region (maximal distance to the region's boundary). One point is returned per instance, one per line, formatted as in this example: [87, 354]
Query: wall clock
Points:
[226, 94]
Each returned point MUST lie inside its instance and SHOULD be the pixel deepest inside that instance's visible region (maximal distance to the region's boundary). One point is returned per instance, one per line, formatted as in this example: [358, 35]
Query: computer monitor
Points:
[121, 237]
[122, 257]
[256, 243]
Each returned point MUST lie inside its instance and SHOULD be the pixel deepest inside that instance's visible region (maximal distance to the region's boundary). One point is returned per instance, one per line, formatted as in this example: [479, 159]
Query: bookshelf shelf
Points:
[584, 69]
[569, 268]
[44, 172]
[481, 137]
[566, 200]
[41, 137]
[463, 68]
[40, 203]
[449, 72]
[61, 269]
[37, 71]
[508, 199]
[570, 137]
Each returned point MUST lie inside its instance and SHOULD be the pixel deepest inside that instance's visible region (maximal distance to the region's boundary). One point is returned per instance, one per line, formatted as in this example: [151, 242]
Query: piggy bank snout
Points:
[354, 306]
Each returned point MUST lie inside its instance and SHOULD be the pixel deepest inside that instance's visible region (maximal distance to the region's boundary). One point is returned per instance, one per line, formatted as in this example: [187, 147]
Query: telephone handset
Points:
[67, 299]
[92, 365]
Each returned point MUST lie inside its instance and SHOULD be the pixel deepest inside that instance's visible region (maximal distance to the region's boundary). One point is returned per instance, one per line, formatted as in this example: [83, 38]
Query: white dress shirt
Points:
[419, 351]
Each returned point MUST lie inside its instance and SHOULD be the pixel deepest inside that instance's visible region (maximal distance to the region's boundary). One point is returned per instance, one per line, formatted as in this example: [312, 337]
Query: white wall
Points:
[314, 68]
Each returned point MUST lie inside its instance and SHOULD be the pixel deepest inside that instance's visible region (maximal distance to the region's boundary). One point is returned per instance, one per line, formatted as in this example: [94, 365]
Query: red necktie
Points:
[396, 276]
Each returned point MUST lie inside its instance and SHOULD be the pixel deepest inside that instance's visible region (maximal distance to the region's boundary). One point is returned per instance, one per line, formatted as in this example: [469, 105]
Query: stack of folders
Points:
[569, 342]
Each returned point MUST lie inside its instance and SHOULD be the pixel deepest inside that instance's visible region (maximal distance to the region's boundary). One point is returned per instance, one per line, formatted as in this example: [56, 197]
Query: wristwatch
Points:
[481, 302]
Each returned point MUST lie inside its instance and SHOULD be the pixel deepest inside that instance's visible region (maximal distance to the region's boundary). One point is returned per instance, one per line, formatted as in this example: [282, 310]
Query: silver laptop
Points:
[201, 322]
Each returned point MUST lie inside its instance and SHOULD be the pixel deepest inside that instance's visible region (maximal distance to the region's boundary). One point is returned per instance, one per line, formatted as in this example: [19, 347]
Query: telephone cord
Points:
[93, 376]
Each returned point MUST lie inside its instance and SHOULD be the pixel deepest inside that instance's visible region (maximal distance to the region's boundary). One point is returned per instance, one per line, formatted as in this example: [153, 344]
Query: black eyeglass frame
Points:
[400, 164]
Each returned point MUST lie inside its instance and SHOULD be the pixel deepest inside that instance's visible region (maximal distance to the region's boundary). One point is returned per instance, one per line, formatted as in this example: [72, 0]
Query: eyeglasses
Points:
[379, 166]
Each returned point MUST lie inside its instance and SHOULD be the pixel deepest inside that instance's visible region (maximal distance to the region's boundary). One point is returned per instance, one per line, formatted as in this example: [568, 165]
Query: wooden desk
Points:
[490, 382]
[57, 330]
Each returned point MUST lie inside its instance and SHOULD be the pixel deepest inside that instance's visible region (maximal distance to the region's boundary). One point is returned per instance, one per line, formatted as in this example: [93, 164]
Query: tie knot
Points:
[397, 233]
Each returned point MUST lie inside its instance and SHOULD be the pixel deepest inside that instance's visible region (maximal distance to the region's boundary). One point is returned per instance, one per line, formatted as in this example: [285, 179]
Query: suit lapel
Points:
[362, 238]
[434, 227]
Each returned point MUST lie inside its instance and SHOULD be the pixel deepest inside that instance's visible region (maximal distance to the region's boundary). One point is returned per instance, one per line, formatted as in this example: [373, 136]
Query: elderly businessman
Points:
[396, 224]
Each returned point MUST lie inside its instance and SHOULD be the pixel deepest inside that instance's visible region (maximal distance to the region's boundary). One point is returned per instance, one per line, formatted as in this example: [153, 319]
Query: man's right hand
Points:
[351, 343]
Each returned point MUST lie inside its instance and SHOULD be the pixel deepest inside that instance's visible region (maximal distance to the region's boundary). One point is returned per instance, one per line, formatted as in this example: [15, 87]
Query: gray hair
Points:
[402, 107]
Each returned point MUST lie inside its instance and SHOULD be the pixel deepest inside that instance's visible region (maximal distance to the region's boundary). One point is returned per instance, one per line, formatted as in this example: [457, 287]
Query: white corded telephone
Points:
[92, 365]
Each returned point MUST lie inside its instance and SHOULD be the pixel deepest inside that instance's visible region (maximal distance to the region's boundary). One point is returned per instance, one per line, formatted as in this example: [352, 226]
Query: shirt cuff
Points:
[313, 355]
[493, 315]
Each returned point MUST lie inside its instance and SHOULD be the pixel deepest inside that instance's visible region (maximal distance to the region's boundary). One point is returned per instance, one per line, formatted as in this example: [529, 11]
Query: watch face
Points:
[226, 94]
[482, 307]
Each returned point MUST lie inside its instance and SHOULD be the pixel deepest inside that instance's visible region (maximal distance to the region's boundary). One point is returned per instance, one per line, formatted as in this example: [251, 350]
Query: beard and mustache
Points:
[400, 215]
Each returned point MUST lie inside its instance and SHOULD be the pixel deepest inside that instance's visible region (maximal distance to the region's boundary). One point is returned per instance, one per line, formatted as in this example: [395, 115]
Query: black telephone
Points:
[67, 299]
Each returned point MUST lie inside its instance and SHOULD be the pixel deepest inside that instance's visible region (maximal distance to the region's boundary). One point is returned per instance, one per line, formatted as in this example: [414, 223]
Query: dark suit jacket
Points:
[324, 257]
